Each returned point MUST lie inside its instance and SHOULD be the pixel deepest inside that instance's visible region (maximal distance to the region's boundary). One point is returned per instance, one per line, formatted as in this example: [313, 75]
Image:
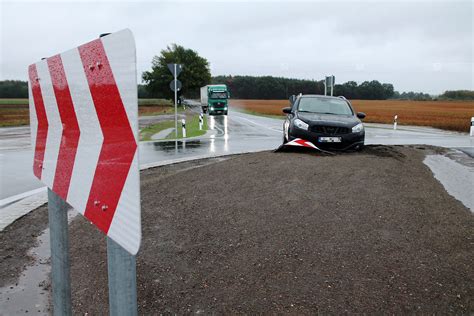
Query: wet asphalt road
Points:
[236, 133]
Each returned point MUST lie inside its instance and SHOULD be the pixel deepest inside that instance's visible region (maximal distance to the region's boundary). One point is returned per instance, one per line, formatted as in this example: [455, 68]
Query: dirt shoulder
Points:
[16, 240]
[291, 233]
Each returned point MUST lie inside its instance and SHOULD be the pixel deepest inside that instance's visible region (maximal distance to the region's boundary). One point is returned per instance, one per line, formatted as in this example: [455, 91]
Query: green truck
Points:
[214, 99]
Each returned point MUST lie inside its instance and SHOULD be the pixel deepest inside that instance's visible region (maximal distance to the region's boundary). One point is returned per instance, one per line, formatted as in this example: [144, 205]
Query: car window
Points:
[324, 106]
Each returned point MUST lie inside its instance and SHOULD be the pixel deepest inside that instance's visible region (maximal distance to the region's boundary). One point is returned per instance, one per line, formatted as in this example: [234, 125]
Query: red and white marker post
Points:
[84, 130]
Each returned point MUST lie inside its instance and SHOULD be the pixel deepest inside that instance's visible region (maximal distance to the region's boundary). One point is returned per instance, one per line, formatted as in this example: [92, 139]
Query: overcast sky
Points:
[422, 46]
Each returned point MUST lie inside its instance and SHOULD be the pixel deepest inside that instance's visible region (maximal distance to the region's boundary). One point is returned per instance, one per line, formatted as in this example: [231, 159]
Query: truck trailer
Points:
[214, 99]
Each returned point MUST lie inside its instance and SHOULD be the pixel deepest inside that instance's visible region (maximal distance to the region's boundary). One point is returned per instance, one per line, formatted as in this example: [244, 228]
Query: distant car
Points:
[327, 122]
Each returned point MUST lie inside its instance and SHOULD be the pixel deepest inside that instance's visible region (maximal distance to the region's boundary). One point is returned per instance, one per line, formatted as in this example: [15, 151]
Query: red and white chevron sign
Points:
[84, 131]
[301, 143]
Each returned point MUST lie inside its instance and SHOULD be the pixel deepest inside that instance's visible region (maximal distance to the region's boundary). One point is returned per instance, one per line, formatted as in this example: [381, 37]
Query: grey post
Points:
[332, 85]
[175, 104]
[122, 280]
[60, 268]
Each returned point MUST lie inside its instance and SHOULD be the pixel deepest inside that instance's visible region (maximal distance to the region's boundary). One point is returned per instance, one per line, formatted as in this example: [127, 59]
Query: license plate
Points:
[329, 139]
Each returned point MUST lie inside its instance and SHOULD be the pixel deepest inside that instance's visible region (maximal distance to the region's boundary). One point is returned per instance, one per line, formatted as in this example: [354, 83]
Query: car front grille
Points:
[330, 130]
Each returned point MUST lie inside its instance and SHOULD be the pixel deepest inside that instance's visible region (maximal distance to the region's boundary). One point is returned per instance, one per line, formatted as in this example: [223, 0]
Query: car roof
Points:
[318, 96]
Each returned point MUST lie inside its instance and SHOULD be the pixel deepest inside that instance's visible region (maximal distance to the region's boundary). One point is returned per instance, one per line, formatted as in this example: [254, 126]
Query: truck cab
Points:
[214, 99]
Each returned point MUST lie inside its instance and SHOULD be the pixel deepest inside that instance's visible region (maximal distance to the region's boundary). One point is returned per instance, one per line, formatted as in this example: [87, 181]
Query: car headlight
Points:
[211, 108]
[358, 128]
[300, 124]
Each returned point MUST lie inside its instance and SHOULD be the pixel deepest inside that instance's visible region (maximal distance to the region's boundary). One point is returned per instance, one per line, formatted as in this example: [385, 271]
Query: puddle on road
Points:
[171, 145]
[31, 293]
[456, 177]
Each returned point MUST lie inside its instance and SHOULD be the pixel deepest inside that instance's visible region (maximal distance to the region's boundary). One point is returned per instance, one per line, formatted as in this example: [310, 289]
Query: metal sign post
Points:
[175, 105]
[60, 268]
[332, 85]
[122, 280]
[175, 85]
[329, 83]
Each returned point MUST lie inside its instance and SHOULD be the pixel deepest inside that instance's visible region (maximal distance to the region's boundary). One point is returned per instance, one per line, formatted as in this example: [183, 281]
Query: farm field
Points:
[15, 112]
[448, 115]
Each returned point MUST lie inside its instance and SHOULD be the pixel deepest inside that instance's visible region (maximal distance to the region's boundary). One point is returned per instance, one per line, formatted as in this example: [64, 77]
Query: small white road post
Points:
[471, 132]
[200, 121]
[395, 118]
[183, 125]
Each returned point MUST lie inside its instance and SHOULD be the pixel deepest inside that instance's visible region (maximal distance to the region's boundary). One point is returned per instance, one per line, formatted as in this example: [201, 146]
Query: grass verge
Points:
[147, 132]
[192, 128]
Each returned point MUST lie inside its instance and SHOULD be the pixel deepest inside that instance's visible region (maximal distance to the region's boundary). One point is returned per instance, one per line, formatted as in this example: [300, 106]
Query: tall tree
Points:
[195, 72]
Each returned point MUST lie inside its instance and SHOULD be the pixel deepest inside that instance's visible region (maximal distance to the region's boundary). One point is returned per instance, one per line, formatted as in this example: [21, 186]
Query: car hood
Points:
[329, 119]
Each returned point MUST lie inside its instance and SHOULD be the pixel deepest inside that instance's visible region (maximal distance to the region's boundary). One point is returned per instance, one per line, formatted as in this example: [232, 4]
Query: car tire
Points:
[225, 113]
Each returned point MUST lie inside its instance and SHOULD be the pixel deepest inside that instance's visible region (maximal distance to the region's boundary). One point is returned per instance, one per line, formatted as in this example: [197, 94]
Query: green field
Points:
[13, 101]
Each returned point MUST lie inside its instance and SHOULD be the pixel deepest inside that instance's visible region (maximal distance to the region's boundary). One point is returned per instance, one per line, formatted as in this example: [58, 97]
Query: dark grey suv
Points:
[327, 122]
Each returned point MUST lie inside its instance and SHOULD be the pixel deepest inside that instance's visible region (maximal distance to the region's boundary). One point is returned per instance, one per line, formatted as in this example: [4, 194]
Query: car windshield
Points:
[324, 106]
[218, 95]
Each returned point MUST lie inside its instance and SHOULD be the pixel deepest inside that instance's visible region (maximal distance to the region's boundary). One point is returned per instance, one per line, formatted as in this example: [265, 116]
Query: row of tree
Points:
[458, 95]
[416, 96]
[247, 87]
[13, 89]
[267, 87]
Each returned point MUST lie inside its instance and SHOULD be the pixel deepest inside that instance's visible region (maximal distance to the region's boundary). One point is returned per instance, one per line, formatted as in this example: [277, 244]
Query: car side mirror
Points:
[286, 110]
[361, 115]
